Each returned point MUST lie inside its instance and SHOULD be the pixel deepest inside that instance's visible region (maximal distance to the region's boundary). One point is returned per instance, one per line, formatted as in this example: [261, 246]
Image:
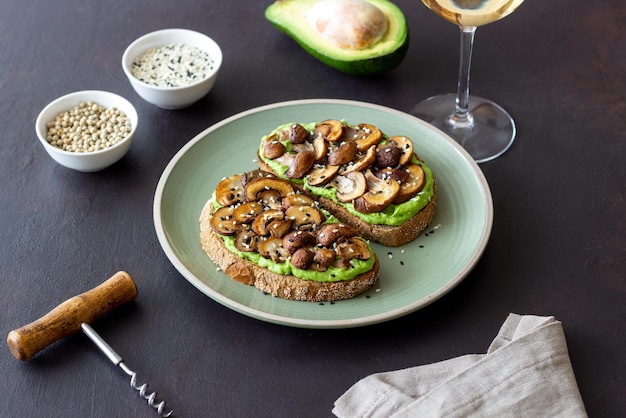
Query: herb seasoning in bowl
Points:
[87, 130]
[172, 68]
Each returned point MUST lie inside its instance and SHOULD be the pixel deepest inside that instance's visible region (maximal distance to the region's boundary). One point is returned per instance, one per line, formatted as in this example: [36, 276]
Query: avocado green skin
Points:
[363, 67]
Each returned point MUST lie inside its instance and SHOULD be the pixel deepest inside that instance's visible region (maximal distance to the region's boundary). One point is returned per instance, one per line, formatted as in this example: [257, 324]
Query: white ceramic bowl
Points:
[86, 161]
[172, 97]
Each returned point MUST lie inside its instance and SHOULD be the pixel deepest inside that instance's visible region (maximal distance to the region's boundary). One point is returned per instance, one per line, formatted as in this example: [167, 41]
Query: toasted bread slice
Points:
[368, 171]
[284, 286]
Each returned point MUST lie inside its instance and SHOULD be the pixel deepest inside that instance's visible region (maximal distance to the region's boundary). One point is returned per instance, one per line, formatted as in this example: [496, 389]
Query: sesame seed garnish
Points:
[172, 65]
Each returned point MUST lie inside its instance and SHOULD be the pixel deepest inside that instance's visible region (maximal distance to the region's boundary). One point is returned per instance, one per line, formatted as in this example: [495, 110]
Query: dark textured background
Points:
[558, 245]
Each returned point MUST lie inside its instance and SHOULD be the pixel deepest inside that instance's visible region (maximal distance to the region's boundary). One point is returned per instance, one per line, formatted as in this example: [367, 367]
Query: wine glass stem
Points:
[462, 118]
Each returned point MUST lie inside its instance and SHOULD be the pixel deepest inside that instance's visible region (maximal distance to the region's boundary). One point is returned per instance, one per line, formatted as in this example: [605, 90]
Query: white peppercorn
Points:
[88, 127]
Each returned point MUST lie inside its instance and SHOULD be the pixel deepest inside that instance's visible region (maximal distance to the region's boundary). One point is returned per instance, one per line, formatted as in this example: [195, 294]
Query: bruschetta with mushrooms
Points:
[261, 230]
[375, 183]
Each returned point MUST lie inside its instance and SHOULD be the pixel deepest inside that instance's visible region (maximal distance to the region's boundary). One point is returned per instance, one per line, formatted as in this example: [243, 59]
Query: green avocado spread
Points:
[393, 215]
[332, 274]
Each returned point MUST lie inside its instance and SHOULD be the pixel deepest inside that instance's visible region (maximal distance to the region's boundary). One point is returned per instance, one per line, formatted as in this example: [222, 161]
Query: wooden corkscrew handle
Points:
[67, 317]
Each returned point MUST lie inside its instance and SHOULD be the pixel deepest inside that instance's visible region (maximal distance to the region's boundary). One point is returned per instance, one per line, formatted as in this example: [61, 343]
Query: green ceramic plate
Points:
[411, 276]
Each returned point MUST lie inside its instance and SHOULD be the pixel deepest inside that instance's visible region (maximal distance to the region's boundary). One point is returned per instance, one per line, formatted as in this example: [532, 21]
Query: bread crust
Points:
[287, 287]
[388, 235]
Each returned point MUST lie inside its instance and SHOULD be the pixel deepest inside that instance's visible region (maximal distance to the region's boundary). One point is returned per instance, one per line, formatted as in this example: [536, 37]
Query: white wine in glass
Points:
[481, 126]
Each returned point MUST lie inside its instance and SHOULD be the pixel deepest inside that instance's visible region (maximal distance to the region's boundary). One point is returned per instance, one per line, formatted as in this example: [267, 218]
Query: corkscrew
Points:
[117, 360]
[72, 316]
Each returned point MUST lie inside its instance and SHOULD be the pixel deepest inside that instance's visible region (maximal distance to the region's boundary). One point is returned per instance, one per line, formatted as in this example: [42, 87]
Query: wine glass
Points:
[481, 126]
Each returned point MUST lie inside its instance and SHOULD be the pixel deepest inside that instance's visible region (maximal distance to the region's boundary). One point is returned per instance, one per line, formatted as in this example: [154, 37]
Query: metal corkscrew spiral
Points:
[117, 360]
[143, 392]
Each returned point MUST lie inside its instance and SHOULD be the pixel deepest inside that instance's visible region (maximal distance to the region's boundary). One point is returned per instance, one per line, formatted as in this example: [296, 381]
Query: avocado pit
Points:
[349, 24]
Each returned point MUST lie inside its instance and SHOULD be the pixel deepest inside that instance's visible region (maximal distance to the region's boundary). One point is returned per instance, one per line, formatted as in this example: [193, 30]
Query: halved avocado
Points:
[361, 37]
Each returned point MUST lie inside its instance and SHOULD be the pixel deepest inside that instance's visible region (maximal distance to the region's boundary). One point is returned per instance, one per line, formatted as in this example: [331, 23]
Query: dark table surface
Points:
[558, 245]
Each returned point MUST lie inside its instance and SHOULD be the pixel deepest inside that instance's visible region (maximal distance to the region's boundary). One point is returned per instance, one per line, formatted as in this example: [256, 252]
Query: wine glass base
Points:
[488, 136]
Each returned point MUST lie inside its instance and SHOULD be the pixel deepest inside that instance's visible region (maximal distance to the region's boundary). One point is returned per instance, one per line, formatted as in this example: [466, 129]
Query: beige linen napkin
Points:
[525, 372]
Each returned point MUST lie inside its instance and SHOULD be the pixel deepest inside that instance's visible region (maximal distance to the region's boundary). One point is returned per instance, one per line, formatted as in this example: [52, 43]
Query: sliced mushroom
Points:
[297, 199]
[247, 212]
[253, 175]
[354, 248]
[328, 234]
[304, 146]
[414, 182]
[255, 187]
[261, 223]
[350, 186]
[330, 129]
[302, 258]
[351, 133]
[296, 240]
[365, 161]
[342, 263]
[406, 147]
[397, 174]
[300, 165]
[286, 159]
[272, 248]
[380, 194]
[270, 199]
[320, 148]
[283, 134]
[297, 134]
[223, 223]
[342, 154]
[246, 241]
[273, 149]
[279, 228]
[276, 136]
[388, 156]
[305, 217]
[321, 175]
[368, 135]
[229, 190]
